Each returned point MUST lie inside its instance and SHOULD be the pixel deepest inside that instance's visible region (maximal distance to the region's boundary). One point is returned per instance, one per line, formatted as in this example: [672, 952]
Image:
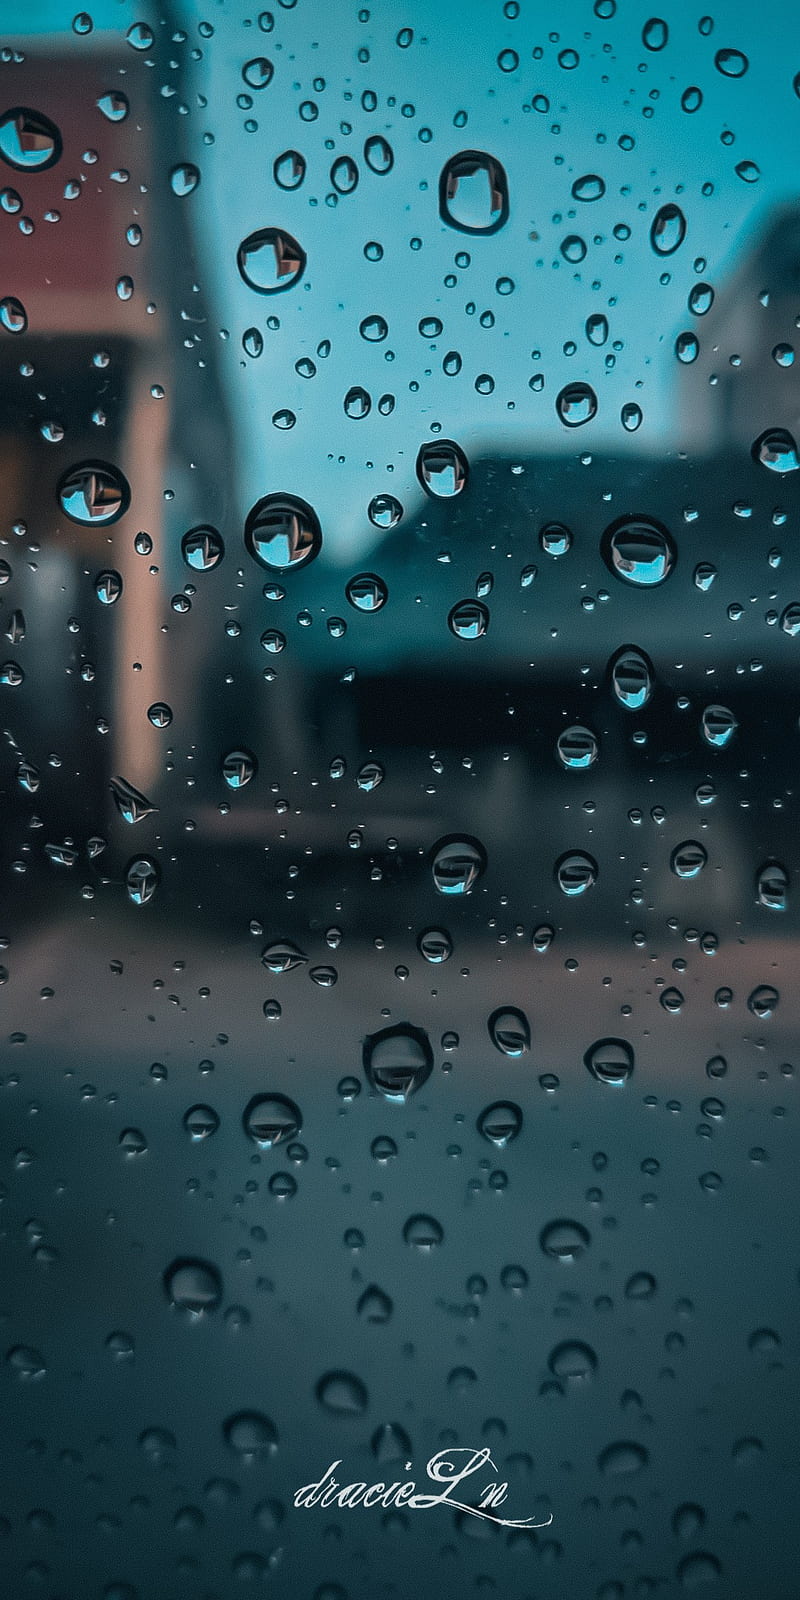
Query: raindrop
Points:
[202, 548]
[369, 775]
[141, 879]
[763, 1001]
[384, 511]
[623, 1459]
[469, 619]
[589, 187]
[597, 328]
[270, 260]
[13, 316]
[701, 299]
[366, 592]
[564, 1240]
[575, 872]
[655, 34]
[108, 587]
[639, 550]
[390, 1442]
[26, 1363]
[776, 450]
[159, 714]
[640, 1286]
[29, 141]
[344, 175]
[130, 803]
[357, 403]
[687, 348]
[114, 105]
[576, 404]
[576, 748]
[473, 193]
[200, 1122]
[282, 531]
[251, 1435]
[271, 1119]
[184, 178]
[509, 1031]
[772, 886]
[342, 1393]
[289, 169]
[688, 859]
[718, 726]
[542, 938]
[457, 865]
[631, 416]
[374, 1306]
[378, 154]
[397, 1061]
[435, 945]
[574, 1363]
[632, 677]
[731, 63]
[442, 468]
[94, 494]
[668, 230]
[610, 1061]
[283, 956]
[140, 36]
[555, 539]
[500, 1123]
[238, 767]
[423, 1232]
[257, 73]
[193, 1285]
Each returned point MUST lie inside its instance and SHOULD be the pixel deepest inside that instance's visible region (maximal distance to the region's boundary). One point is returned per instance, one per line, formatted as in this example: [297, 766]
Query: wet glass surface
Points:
[399, 696]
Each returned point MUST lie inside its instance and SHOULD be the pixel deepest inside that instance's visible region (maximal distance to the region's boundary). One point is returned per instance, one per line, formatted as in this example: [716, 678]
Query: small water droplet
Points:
[632, 677]
[776, 450]
[564, 1240]
[576, 403]
[13, 316]
[141, 879]
[131, 804]
[192, 1285]
[667, 230]
[469, 619]
[509, 1031]
[184, 178]
[500, 1122]
[688, 859]
[423, 1232]
[342, 1393]
[200, 1122]
[251, 1435]
[575, 872]
[622, 1459]
[366, 592]
[577, 748]
[29, 141]
[772, 886]
[718, 726]
[378, 154]
[763, 1001]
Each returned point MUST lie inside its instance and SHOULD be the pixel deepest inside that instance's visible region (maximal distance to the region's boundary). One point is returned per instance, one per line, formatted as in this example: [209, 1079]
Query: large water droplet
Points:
[473, 193]
[384, 511]
[731, 63]
[435, 945]
[763, 1000]
[610, 1061]
[688, 859]
[342, 1393]
[639, 550]
[238, 767]
[270, 260]
[29, 141]
[251, 1435]
[131, 804]
[655, 34]
[193, 1285]
[590, 187]
[457, 865]
[564, 1240]
[718, 726]
[442, 468]
[271, 1119]
[632, 677]
[344, 175]
[576, 403]
[469, 619]
[509, 1031]
[282, 531]
[378, 154]
[667, 230]
[141, 879]
[202, 548]
[500, 1122]
[423, 1232]
[367, 592]
[200, 1122]
[576, 748]
[184, 178]
[257, 72]
[776, 450]
[398, 1060]
[94, 494]
[772, 886]
[289, 169]
[13, 316]
[283, 956]
[575, 872]
[622, 1459]
[574, 1363]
